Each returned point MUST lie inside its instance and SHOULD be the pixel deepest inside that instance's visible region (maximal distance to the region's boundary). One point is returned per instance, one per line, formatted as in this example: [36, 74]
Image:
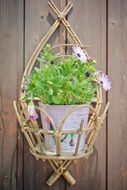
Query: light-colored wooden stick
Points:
[96, 131]
[60, 170]
[80, 133]
[68, 8]
[66, 24]
[28, 135]
[54, 177]
[31, 130]
[68, 45]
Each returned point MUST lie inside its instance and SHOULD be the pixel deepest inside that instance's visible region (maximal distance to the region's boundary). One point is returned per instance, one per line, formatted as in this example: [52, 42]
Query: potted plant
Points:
[61, 83]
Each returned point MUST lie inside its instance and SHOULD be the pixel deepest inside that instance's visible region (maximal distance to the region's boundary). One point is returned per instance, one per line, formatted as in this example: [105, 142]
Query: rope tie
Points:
[61, 170]
[61, 17]
[24, 129]
[58, 134]
[79, 131]
[38, 133]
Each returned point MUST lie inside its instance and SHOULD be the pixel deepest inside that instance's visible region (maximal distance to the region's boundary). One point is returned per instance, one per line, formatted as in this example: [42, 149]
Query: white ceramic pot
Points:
[57, 112]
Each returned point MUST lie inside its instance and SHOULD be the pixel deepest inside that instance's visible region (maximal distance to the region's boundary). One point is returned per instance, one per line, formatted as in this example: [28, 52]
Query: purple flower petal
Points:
[103, 80]
[31, 112]
[79, 54]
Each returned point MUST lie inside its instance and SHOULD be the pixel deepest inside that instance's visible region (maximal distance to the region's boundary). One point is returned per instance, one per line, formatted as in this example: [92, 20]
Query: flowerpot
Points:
[57, 112]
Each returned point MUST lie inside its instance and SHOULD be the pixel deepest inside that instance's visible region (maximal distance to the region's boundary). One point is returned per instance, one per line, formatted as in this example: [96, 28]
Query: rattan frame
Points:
[31, 129]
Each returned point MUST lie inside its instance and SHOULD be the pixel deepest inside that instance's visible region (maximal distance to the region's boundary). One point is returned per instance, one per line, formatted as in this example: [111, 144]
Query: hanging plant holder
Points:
[38, 136]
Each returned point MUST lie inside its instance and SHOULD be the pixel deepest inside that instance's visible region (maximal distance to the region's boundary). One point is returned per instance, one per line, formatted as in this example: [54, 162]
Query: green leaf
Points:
[50, 91]
[37, 69]
[56, 100]
[63, 82]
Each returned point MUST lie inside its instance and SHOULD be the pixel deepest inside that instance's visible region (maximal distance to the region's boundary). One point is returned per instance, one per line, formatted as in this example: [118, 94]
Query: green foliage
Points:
[66, 81]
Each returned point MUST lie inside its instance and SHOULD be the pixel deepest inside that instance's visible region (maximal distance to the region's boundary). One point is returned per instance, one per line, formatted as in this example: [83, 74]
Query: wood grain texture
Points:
[38, 20]
[36, 25]
[11, 64]
[21, 28]
[88, 19]
[117, 119]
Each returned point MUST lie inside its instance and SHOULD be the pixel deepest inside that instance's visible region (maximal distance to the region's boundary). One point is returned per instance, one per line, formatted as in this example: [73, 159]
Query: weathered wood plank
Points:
[88, 20]
[11, 66]
[38, 20]
[36, 25]
[19, 170]
[117, 118]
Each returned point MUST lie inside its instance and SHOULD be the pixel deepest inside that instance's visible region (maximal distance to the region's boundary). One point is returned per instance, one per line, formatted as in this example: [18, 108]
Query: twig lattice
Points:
[35, 134]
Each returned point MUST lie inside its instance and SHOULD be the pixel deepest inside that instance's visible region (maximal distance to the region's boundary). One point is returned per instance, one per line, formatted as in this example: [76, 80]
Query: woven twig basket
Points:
[33, 130]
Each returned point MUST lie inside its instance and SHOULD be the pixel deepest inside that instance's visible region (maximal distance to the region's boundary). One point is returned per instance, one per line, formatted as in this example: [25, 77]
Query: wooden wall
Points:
[102, 24]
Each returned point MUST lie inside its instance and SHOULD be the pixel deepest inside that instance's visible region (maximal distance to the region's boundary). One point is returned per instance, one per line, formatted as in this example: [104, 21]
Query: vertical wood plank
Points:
[62, 39]
[38, 20]
[117, 118]
[11, 67]
[88, 20]
[36, 25]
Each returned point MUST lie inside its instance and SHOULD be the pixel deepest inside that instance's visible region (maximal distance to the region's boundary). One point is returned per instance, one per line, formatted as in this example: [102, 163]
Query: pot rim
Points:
[63, 105]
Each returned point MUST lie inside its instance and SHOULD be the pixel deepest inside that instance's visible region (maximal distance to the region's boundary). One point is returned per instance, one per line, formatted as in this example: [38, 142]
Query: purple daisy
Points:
[31, 112]
[103, 80]
[79, 54]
